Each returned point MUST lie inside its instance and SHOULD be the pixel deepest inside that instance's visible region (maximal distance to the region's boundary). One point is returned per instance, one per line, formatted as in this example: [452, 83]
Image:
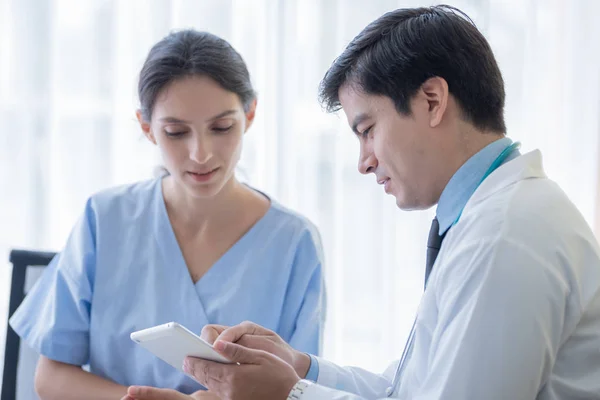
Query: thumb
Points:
[238, 353]
[152, 393]
[210, 333]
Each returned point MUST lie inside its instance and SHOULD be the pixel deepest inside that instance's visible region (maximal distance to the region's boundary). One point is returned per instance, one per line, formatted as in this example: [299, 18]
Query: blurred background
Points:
[68, 75]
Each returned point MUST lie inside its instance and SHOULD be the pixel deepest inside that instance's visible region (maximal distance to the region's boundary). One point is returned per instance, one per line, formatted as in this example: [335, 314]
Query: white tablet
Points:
[172, 343]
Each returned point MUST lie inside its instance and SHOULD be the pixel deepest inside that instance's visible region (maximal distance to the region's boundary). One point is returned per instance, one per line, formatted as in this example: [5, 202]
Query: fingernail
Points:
[133, 390]
[220, 346]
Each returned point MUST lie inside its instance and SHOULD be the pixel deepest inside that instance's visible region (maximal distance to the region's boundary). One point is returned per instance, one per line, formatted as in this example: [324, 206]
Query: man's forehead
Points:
[355, 103]
[352, 94]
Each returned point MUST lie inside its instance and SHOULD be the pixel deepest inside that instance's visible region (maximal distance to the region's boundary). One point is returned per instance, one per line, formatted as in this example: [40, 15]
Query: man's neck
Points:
[465, 181]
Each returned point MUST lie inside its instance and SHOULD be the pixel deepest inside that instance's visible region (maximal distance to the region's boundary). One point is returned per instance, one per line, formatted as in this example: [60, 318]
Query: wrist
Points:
[301, 364]
[298, 389]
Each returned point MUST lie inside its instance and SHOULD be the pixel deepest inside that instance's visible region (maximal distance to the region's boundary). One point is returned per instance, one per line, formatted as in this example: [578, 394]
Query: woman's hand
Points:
[205, 395]
[151, 393]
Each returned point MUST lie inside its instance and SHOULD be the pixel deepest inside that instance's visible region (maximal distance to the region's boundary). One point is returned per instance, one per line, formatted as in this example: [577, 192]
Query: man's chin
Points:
[411, 204]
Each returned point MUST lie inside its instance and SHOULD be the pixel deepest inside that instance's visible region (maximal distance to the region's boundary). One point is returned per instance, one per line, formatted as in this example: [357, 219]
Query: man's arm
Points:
[256, 375]
[501, 314]
[354, 380]
[350, 379]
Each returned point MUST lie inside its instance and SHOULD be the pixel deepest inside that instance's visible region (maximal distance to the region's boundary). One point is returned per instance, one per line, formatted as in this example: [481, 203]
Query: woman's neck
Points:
[197, 216]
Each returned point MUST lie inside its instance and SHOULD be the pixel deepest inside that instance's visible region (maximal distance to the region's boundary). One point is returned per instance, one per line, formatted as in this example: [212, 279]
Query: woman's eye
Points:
[365, 133]
[222, 129]
[175, 133]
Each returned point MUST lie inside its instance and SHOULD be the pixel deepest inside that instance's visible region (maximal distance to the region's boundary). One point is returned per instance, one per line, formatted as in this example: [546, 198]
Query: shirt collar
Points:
[465, 181]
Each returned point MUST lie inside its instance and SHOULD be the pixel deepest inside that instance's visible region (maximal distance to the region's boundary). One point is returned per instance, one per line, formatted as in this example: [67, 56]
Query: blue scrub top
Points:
[122, 270]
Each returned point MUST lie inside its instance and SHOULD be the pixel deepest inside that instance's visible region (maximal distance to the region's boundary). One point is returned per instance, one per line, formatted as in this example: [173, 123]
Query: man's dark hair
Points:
[395, 54]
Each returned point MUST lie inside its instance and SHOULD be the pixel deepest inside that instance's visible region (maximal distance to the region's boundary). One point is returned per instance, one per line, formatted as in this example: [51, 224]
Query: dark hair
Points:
[188, 53]
[395, 54]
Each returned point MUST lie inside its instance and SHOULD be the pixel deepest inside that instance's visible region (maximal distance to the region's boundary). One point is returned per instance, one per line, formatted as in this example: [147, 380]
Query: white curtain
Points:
[68, 71]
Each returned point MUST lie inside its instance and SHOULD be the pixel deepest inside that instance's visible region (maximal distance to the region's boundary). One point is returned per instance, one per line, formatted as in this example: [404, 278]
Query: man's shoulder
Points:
[527, 211]
[528, 233]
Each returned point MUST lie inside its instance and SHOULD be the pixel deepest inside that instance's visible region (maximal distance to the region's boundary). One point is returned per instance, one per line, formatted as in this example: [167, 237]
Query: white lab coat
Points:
[512, 308]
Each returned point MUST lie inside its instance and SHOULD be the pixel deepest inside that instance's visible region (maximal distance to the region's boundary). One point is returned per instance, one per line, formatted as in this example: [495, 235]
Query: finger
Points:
[205, 395]
[208, 373]
[257, 342]
[151, 393]
[234, 333]
[210, 333]
[238, 353]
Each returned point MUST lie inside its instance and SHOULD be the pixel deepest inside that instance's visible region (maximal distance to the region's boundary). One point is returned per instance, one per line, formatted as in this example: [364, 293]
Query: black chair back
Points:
[21, 261]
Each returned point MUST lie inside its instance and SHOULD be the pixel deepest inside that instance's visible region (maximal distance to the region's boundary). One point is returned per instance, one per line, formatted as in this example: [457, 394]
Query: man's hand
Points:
[254, 374]
[151, 393]
[211, 332]
[256, 337]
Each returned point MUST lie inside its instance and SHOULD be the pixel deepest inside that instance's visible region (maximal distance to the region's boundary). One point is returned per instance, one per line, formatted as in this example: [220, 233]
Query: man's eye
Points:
[365, 133]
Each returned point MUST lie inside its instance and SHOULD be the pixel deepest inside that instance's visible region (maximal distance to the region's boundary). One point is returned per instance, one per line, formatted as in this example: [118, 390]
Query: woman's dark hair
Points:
[190, 53]
[395, 54]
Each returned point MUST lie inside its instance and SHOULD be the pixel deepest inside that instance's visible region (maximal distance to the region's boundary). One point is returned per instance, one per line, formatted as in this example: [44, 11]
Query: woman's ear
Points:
[250, 114]
[145, 126]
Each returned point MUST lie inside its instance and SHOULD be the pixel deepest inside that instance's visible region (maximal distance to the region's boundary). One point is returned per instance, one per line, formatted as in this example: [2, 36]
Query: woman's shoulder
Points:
[126, 199]
[292, 224]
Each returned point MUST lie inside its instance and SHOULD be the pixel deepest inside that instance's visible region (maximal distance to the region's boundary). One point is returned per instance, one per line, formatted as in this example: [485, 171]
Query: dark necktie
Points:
[434, 242]
[433, 247]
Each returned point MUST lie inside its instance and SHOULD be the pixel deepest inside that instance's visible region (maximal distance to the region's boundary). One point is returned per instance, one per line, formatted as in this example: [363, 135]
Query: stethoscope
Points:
[411, 337]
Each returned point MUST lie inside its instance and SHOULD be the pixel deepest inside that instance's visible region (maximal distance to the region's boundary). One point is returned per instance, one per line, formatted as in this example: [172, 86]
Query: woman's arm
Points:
[307, 294]
[59, 381]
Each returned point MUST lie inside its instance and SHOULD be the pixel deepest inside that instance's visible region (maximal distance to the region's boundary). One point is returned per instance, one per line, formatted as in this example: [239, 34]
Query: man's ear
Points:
[145, 126]
[436, 94]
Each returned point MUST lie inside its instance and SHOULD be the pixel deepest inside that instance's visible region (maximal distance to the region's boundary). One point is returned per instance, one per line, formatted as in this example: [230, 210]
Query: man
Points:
[511, 308]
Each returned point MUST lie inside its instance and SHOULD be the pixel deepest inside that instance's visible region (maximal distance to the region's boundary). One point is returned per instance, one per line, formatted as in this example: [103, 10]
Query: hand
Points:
[254, 374]
[204, 395]
[256, 337]
[211, 332]
[151, 393]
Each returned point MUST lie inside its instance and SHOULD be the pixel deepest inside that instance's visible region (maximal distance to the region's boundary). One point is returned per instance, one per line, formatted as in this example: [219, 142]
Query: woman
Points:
[195, 246]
